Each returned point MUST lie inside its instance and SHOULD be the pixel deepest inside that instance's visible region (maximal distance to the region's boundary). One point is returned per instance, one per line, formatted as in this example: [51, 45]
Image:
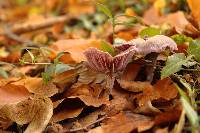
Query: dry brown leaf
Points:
[195, 8]
[42, 115]
[134, 86]
[126, 122]
[125, 35]
[12, 94]
[166, 89]
[177, 20]
[151, 16]
[78, 7]
[69, 108]
[181, 24]
[131, 71]
[5, 122]
[147, 108]
[75, 48]
[37, 86]
[169, 116]
[163, 89]
[162, 130]
[2, 131]
[65, 79]
[86, 121]
[37, 112]
[91, 96]
[119, 104]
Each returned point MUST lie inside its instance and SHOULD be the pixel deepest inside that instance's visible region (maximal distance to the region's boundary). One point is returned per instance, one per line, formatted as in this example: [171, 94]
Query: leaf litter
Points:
[99, 67]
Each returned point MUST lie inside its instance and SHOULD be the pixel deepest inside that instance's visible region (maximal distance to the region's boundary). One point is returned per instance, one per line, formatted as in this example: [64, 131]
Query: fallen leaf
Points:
[85, 121]
[195, 8]
[177, 20]
[37, 86]
[163, 89]
[134, 86]
[131, 71]
[126, 122]
[91, 96]
[77, 7]
[65, 79]
[12, 94]
[75, 48]
[68, 108]
[169, 116]
[37, 112]
[166, 89]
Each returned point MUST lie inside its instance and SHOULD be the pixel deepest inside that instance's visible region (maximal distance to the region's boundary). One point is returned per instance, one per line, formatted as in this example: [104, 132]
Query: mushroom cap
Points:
[145, 46]
[103, 62]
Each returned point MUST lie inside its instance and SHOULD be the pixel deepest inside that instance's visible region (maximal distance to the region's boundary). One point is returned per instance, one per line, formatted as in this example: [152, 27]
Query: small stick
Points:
[23, 28]
[8, 33]
[85, 127]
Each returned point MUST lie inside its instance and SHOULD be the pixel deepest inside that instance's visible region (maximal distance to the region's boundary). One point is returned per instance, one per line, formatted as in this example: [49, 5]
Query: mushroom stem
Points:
[150, 69]
[110, 79]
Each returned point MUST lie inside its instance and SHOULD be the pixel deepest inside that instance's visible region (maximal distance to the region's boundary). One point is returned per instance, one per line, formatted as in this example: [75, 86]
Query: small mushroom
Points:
[103, 62]
[150, 48]
[156, 44]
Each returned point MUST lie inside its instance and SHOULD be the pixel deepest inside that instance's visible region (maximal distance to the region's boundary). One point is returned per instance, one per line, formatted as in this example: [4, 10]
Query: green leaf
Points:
[180, 38]
[46, 77]
[149, 32]
[194, 49]
[60, 68]
[107, 48]
[174, 64]
[56, 60]
[3, 73]
[105, 10]
[182, 93]
[122, 4]
[22, 2]
[191, 115]
[31, 55]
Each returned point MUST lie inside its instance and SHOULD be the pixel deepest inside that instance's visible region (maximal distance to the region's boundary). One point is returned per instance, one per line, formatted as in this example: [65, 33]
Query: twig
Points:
[8, 33]
[37, 63]
[194, 70]
[85, 127]
[23, 28]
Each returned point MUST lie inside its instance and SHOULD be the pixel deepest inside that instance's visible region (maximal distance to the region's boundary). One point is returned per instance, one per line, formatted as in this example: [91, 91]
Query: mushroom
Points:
[150, 48]
[103, 62]
[156, 44]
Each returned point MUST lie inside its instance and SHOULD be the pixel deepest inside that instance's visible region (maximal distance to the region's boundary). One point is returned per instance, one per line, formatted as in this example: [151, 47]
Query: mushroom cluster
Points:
[103, 62]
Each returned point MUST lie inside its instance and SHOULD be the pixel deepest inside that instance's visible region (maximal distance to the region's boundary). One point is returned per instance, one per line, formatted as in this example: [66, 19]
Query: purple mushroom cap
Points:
[156, 44]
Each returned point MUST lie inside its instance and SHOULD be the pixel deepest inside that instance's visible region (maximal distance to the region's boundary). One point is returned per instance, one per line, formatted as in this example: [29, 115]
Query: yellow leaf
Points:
[195, 8]
[159, 4]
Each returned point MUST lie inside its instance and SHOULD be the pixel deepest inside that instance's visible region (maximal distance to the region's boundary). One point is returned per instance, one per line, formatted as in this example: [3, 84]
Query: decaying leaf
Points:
[68, 108]
[134, 86]
[37, 112]
[75, 48]
[176, 20]
[91, 96]
[127, 122]
[194, 6]
[12, 94]
[37, 86]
